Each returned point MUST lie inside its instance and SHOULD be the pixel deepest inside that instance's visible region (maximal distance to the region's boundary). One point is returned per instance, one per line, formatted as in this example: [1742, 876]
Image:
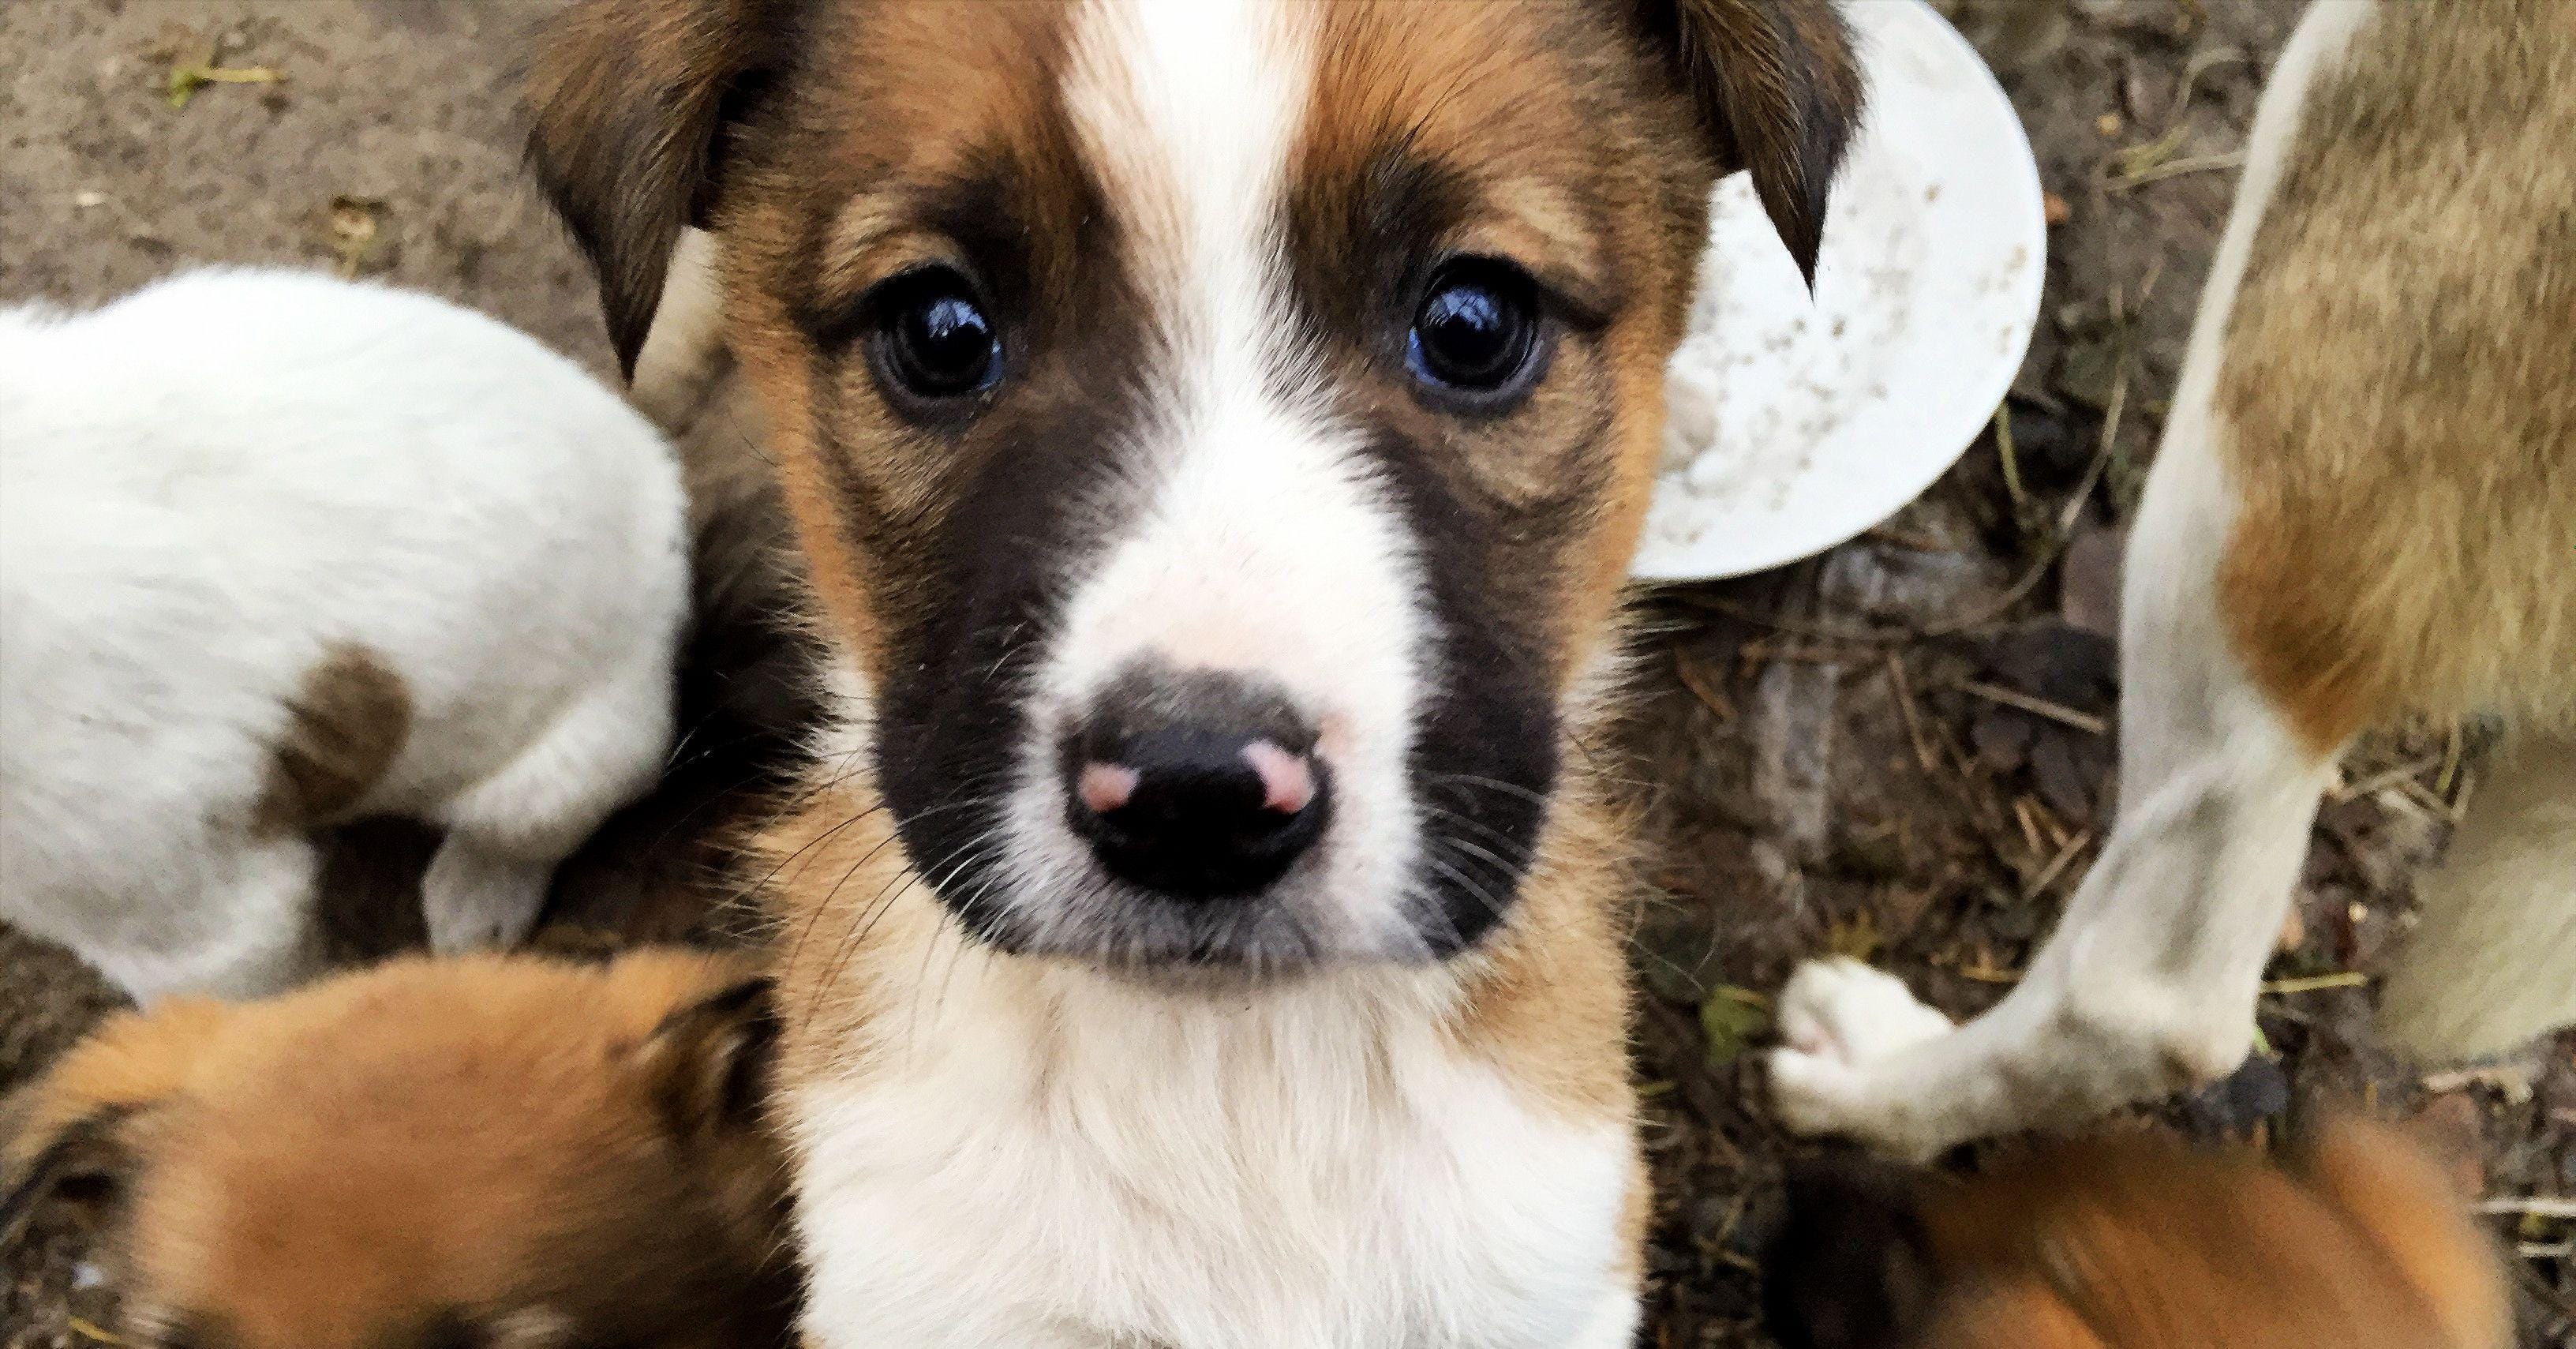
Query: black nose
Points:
[1196, 785]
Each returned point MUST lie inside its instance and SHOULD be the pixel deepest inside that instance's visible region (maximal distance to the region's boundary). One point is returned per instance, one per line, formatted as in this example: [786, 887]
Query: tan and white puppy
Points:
[484, 1152]
[1217, 432]
[2365, 505]
[2356, 1238]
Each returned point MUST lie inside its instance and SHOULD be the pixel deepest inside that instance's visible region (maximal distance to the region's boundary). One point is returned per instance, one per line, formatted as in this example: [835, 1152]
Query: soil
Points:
[1821, 751]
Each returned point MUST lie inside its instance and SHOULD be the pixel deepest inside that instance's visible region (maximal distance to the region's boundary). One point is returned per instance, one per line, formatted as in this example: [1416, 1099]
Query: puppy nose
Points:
[1197, 786]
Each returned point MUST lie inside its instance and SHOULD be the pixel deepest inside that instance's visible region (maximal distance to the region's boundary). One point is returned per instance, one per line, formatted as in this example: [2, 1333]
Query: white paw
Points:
[1844, 1010]
[473, 903]
[1845, 1023]
[454, 933]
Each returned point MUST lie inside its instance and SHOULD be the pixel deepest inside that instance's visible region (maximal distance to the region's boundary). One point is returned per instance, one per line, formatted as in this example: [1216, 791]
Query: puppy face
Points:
[1218, 430]
[434, 1155]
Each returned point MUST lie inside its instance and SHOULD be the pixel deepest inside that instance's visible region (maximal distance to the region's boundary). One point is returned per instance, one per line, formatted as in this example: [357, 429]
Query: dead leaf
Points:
[1856, 937]
[354, 227]
[187, 77]
[1730, 1017]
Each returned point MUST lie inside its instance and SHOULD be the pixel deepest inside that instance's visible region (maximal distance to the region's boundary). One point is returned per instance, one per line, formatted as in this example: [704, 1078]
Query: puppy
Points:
[483, 1150]
[1217, 433]
[2141, 1243]
[278, 551]
[2363, 507]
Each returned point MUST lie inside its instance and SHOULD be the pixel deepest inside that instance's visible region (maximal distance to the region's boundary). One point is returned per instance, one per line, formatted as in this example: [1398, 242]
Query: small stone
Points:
[2255, 1092]
[2054, 210]
[2088, 595]
[2051, 659]
[2051, 455]
[2089, 369]
[88, 198]
[2002, 738]
[2070, 768]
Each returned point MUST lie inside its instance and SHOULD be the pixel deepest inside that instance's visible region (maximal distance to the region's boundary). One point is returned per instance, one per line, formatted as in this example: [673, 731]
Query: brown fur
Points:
[347, 722]
[944, 86]
[1562, 135]
[2139, 1242]
[505, 1147]
[2397, 389]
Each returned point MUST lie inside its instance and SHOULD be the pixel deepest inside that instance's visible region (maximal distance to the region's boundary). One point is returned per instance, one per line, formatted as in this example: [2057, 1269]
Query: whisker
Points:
[1494, 784]
[1524, 856]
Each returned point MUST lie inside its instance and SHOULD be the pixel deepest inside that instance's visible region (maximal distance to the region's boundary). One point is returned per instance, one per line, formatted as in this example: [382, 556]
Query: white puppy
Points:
[277, 551]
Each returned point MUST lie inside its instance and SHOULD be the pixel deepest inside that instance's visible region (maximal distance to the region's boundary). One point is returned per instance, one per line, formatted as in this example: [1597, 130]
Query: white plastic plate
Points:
[1798, 422]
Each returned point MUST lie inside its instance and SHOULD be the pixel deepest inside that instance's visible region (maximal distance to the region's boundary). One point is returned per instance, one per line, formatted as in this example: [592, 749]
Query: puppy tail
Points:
[2493, 962]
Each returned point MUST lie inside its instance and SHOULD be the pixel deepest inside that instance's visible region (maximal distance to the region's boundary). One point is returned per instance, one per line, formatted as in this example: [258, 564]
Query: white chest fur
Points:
[1054, 1161]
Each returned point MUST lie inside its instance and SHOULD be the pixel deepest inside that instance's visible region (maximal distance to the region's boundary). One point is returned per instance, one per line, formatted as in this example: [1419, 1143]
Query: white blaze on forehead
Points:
[1186, 110]
[1255, 538]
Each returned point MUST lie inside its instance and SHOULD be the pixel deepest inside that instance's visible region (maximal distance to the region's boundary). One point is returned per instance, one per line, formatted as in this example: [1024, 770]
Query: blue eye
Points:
[936, 339]
[1477, 327]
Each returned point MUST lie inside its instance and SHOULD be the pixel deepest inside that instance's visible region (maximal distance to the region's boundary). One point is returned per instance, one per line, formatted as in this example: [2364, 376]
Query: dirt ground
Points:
[1841, 755]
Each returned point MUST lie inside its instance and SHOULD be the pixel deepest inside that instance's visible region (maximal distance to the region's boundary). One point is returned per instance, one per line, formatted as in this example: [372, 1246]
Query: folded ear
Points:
[1777, 89]
[89, 1159]
[630, 104]
[707, 1065]
[72, 1132]
[1851, 1267]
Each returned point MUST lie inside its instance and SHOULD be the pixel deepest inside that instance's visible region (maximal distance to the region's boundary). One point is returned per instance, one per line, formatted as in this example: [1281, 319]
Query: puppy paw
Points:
[1845, 1024]
[1844, 1010]
[474, 901]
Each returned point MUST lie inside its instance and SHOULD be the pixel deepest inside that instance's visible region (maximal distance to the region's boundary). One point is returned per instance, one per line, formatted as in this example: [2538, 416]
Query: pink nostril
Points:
[1287, 782]
[1104, 787]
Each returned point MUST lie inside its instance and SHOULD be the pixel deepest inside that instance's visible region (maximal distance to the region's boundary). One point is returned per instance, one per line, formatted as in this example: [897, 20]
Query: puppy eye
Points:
[934, 340]
[1476, 331]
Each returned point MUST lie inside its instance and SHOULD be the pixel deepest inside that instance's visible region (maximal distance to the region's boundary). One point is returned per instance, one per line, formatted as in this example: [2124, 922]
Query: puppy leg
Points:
[2493, 963]
[488, 882]
[2149, 983]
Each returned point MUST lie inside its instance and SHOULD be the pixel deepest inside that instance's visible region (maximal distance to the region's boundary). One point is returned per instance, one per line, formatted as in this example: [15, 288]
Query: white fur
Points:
[1259, 542]
[1027, 1155]
[1084, 1165]
[2493, 962]
[2148, 985]
[207, 487]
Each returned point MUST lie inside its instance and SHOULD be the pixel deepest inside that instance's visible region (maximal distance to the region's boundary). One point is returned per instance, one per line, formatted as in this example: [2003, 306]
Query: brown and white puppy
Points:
[2141, 1243]
[487, 1152]
[2365, 506]
[1217, 432]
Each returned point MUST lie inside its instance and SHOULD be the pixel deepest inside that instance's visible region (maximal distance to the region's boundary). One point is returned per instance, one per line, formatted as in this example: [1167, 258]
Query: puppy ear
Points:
[1777, 89]
[630, 103]
[1851, 1267]
[88, 1159]
[708, 1064]
[71, 1133]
